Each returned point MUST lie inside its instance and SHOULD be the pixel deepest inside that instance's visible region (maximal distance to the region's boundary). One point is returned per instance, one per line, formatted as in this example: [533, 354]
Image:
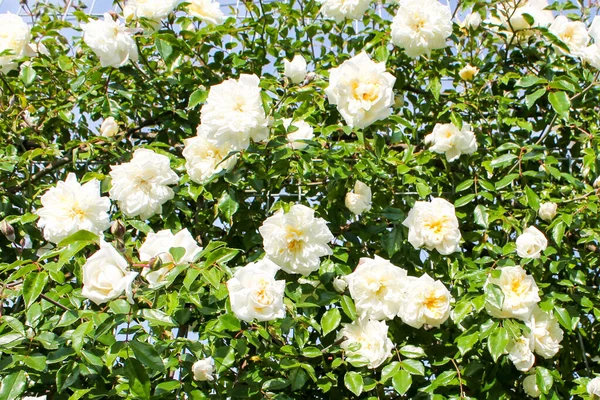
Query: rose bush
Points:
[312, 199]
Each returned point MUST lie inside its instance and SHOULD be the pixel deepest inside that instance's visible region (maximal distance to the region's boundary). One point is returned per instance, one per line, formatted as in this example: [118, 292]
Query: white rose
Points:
[377, 286]
[530, 386]
[157, 245]
[109, 127]
[33, 398]
[572, 33]
[203, 370]
[421, 26]
[140, 186]
[359, 199]
[425, 302]
[340, 284]
[255, 294]
[362, 90]
[15, 36]
[472, 20]
[433, 225]
[547, 211]
[342, 9]
[531, 243]
[208, 11]
[295, 70]
[70, 206]
[546, 334]
[591, 54]
[593, 387]
[106, 277]
[520, 293]
[375, 346]
[234, 114]
[468, 72]
[111, 41]
[151, 9]
[303, 132]
[207, 157]
[517, 22]
[596, 183]
[520, 353]
[448, 139]
[296, 240]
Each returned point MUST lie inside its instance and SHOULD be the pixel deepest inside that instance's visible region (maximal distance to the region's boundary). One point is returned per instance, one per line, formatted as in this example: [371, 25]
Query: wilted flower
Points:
[255, 294]
[421, 26]
[359, 199]
[547, 211]
[70, 206]
[295, 70]
[296, 240]
[433, 225]
[342, 9]
[303, 132]
[233, 113]
[203, 370]
[141, 185]
[377, 286]
[206, 157]
[111, 41]
[109, 127]
[361, 90]
[425, 302]
[448, 139]
[531, 243]
[520, 293]
[375, 346]
[106, 277]
[207, 10]
[15, 36]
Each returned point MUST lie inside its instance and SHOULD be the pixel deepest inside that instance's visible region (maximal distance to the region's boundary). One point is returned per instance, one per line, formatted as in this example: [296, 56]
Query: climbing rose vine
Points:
[300, 200]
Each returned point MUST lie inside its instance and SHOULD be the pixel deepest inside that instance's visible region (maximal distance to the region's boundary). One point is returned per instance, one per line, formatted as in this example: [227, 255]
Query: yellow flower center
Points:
[434, 302]
[436, 225]
[77, 213]
[293, 239]
[262, 295]
[516, 286]
[363, 91]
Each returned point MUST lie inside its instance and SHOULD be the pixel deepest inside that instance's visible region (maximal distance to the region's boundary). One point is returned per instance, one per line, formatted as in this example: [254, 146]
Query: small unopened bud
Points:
[23, 2]
[7, 230]
[154, 263]
[118, 229]
[309, 78]
[340, 285]
[114, 15]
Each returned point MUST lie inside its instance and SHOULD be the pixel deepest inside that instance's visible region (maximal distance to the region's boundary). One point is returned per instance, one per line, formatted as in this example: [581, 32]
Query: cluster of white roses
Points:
[383, 291]
[520, 301]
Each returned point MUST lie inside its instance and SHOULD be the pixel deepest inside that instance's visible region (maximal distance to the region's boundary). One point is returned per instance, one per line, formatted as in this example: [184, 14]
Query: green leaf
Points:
[79, 236]
[354, 382]
[33, 285]
[533, 199]
[531, 98]
[497, 342]
[402, 381]
[298, 378]
[78, 336]
[199, 96]
[330, 320]
[389, 371]
[13, 385]
[412, 351]
[543, 379]
[276, 384]
[560, 103]
[558, 231]
[494, 296]
[311, 352]
[228, 206]
[466, 341]
[27, 75]
[348, 307]
[464, 200]
[414, 367]
[147, 355]
[139, 381]
[177, 253]
[481, 217]
[502, 160]
[36, 361]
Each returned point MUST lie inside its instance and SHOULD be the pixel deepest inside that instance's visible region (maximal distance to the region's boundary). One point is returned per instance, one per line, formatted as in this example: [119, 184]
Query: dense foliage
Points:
[531, 101]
